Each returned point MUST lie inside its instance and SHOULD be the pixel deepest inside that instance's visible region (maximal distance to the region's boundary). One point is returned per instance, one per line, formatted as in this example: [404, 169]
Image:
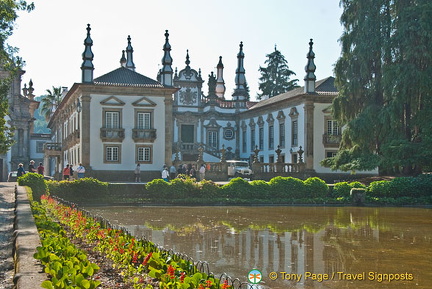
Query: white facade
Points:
[122, 118]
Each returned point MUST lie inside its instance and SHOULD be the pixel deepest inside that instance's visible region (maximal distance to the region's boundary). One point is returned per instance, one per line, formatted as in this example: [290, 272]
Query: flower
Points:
[147, 258]
[182, 277]
[171, 271]
[209, 283]
[135, 258]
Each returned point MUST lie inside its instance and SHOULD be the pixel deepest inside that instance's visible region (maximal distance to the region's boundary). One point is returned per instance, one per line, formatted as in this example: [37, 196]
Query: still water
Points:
[295, 247]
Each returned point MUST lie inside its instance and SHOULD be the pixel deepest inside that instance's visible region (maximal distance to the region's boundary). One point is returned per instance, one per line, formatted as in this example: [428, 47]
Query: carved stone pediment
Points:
[112, 100]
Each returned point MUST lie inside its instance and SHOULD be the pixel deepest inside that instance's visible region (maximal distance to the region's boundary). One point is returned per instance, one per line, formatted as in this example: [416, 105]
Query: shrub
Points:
[357, 185]
[341, 189]
[236, 188]
[158, 188]
[36, 182]
[183, 188]
[259, 189]
[413, 187]
[379, 189]
[79, 190]
[401, 187]
[423, 185]
[316, 188]
[286, 187]
[209, 189]
[53, 187]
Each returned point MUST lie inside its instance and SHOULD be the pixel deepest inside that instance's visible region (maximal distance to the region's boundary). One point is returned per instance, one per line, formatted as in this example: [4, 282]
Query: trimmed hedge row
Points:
[420, 186]
[238, 188]
[36, 182]
[277, 190]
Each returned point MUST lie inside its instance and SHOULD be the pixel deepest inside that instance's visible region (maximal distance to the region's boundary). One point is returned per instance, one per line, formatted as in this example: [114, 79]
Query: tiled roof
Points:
[322, 87]
[125, 77]
[326, 86]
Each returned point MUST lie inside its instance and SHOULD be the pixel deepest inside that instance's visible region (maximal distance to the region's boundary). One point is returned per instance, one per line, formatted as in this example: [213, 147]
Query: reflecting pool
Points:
[294, 247]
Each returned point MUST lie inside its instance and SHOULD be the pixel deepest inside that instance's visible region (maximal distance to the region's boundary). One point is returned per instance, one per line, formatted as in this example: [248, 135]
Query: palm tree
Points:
[51, 101]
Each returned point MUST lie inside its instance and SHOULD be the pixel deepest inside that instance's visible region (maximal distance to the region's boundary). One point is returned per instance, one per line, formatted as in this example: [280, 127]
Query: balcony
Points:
[73, 137]
[143, 135]
[112, 134]
[331, 140]
[52, 149]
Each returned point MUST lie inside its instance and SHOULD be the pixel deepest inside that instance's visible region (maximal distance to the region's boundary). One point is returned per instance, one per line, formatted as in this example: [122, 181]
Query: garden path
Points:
[7, 206]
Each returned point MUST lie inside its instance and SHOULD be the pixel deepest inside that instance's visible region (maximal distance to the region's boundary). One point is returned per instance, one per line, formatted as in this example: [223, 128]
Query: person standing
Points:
[71, 171]
[165, 174]
[80, 171]
[192, 172]
[20, 170]
[137, 173]
[180, 170]
[40, 169]
[66, 173]
[202, 171]
[31, 167]
[172, 172]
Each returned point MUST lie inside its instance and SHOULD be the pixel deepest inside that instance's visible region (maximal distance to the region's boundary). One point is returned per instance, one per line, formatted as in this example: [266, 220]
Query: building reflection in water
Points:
[340, 242]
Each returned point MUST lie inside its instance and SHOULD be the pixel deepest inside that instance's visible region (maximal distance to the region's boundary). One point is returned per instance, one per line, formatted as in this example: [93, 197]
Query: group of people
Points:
[31, 169]
[68, 172]
[185, 169]
[172, 172]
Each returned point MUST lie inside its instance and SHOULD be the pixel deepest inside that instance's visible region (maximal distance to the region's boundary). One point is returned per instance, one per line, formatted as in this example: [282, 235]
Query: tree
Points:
[383, 77]
[9, 64]
[51, 101]
[275, 78]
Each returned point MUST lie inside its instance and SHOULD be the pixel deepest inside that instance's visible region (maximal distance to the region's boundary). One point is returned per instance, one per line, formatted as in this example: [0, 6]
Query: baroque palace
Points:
[113, 122]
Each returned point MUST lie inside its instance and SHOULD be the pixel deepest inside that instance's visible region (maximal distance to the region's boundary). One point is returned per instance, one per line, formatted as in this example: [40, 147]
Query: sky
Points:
[50, 38]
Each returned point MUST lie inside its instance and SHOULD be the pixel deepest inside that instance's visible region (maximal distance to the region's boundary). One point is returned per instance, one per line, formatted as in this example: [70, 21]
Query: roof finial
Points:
[166, 73]
[187, 57]
[310, 71]
[240, 92]
[31, 90]
[123, 59]
[220, 82]
[129, 55]
[87, 56]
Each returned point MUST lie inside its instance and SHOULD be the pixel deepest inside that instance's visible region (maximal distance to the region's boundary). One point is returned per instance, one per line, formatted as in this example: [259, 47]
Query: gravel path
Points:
[7, 205]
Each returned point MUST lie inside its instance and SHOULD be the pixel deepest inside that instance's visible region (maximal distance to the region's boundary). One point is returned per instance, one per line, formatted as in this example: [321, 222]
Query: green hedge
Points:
[78, 190]
[287, 187]
[36, 182]
[316, 188]
[236, 188]
[413, 187]
[342, 189]
[238, 191]
[259, 189]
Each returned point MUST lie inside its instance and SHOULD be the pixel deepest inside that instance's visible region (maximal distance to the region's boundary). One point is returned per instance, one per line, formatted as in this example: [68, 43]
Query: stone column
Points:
[85, 131]
[309, 131]
[168, 129]
[279, 164]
